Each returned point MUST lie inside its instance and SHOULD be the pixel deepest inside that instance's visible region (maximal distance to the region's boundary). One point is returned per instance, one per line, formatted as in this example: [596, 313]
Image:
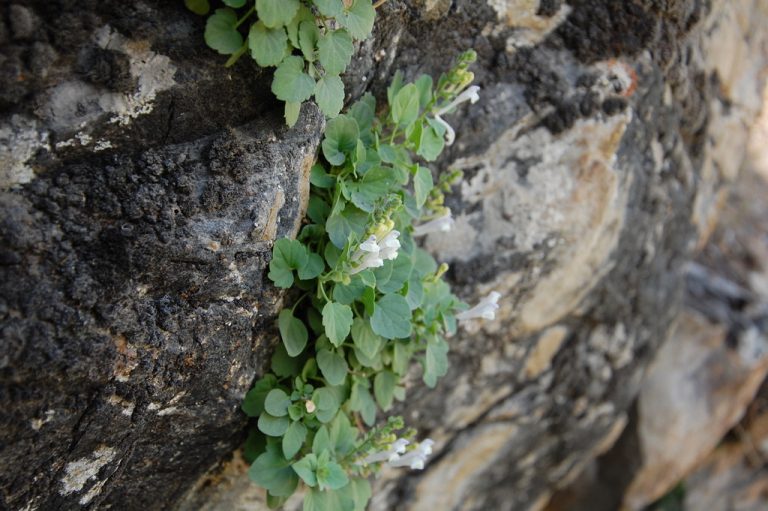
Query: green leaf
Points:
[220, 32]
[275, 502]
[272, 426]
[317, 209]
[269, 46]
[337, 320]
[292, 111]
[333, 366]
[329, 8]
[423, 263]
[308, 36]
[374, 185]
[394, 86]
[317, 500]
[347, 294]
[342, 435]
[401, 356]
[294, 439]
[273, 472]
[384, 389]
[305, 468]
[254, 445]
[341, 225]
[293, 332]
[365, 339]
[200, 7]
[341, 136]
[431, 143]
[314, 267]
[363, 111]
[234, 3]
[322, 441]
[287, 255]
[392, 317]
[276, 13]
[253, 404]
[291, 83]
[277, 403]
[320, 178]
[360, 490]
[435, 362]
[360, 400]
[369, 300]
[329, 95]
[327, 404]
[405, 108]
[335, 51]
[391, 277]
[415, 293]
[422, 185]
[424, 84]
[358, 19]
[284, 365]
[331, 476]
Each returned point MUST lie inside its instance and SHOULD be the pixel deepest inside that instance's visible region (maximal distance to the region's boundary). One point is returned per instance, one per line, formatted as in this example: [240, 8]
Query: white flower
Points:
[486, 309]
[450, 135]
[443, 223]
[471, 95]
[367, 256]
[389, 245]
[415, 458]
[395, 450]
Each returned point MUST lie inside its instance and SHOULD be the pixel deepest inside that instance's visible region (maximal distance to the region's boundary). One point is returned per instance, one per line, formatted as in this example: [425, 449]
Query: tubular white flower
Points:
[367, 256]
[443, 223]
[389, 245]
[450, 135]
[416, 458]
[485, 309]
[470, 94]
[395, 450]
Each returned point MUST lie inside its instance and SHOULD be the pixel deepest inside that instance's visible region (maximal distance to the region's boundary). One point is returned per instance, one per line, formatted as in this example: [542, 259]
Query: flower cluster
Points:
[374, 251]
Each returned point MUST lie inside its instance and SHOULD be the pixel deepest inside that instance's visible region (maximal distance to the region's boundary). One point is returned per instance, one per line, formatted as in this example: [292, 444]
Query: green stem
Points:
[245, 16]
[236, 56]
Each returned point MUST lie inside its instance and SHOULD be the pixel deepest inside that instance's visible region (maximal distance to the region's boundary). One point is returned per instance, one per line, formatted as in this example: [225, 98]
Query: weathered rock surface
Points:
[143, 186]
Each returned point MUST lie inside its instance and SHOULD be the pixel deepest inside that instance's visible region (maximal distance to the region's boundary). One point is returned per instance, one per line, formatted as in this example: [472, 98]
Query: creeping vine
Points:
[367, 300]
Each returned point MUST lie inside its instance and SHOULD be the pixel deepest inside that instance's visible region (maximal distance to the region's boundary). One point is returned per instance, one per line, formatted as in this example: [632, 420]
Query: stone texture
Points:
[146, 182]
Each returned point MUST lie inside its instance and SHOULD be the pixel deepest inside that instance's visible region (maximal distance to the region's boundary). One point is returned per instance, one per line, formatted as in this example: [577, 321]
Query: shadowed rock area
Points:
[143, 183]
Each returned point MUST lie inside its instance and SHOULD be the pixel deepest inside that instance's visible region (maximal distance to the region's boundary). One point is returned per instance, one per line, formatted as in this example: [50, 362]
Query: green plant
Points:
[367, 301]
[310, 42]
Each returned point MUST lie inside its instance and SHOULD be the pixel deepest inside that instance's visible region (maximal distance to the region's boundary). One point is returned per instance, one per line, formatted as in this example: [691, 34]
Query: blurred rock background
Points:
[608, 196]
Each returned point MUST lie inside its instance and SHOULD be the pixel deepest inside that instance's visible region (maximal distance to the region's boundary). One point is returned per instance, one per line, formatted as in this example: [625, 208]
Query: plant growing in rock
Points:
[368, 301]
[310, 42]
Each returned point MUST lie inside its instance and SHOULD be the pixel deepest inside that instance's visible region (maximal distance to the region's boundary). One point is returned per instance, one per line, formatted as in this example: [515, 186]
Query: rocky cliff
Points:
[142, 185]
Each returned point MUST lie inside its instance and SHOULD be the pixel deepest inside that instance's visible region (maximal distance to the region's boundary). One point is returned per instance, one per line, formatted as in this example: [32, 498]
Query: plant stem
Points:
[246, 16]
[236, 56]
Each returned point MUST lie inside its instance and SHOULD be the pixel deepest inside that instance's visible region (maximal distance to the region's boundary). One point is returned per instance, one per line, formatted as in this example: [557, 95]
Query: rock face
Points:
[143, 183]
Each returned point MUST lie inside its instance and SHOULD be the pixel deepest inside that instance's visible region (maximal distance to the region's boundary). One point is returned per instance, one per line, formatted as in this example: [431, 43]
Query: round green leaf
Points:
[329, 95]
[273, 472]
[333, 366]
[359, 18]
[276, 13]
[268, 46]
[336, 50]
[341, 136]
[200, 7]
[337, 320]
[277, 403]
[308, 37]
[294, 439]
[330, 8]
[291, 83]
[405, 108]
[293, 332]
[220, 32]
[392, 317]
[365, 339]
[272, 426]
[292, 111]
